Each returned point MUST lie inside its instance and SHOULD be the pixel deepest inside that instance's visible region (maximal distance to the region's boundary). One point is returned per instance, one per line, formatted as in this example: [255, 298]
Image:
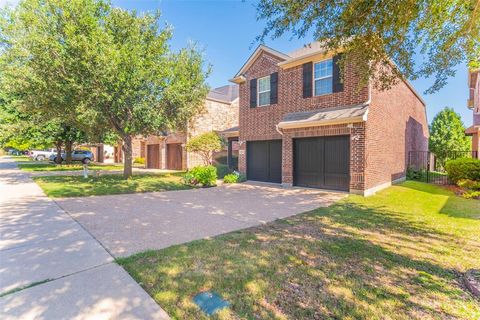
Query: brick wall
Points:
[378, 149]
[217, 116]
[396, 124]
[259, 123]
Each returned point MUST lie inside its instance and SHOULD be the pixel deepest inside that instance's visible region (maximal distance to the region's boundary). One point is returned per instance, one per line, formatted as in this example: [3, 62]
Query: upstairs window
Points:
[322, 77]
[264, 91]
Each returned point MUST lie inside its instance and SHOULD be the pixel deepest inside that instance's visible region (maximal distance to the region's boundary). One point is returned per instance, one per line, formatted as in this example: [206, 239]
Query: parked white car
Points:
[40, 155]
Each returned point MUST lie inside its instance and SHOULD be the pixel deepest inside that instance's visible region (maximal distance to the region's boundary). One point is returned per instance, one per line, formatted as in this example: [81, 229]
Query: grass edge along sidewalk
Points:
[399, 254]
[78, 186]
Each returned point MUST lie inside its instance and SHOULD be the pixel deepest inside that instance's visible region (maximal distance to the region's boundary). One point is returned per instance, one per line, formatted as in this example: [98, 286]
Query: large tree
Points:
[38, 62]
[94, 65]
[372, 33]
[136, 82]
[447, 136]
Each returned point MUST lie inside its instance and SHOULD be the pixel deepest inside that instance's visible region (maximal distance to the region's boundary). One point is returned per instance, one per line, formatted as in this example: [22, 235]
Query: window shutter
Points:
[337, 84]
[307, 79]
[274, 88]
[253, 93]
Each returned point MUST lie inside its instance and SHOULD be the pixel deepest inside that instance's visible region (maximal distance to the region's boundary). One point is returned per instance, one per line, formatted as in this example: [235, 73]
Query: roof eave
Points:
[310, 56]
[254, 56]
[238, 79]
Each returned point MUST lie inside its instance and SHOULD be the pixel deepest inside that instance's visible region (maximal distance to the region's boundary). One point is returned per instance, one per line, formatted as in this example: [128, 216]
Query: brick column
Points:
[242, 157]
[287, 160]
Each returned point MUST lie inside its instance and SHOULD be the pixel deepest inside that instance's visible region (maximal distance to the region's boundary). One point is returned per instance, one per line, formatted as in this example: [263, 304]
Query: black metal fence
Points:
[429, 167]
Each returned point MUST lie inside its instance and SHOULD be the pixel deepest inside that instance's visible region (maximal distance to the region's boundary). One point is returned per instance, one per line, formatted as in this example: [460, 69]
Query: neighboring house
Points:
[474, 104]
[300, 125]
[167, 151]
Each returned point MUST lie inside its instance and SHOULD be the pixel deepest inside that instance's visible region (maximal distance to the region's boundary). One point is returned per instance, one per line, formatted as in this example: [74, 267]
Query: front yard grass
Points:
[77, 186]
[396, 255]
[64, 167]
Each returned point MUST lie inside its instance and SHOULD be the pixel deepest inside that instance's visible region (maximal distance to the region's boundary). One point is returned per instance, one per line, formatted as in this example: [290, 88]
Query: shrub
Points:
[201, 175]
[420, 175]
[222, 170]
[468, 184]
[463, 168]
[139, 160]
[205, 145]
[234, 178]
[471, 194]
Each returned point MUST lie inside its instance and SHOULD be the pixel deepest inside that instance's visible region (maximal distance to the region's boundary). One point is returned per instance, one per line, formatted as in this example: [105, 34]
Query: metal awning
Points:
[230, 132]
[326, 116]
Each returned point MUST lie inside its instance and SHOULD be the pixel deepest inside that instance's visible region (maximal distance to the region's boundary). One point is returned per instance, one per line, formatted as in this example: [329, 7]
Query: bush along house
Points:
[302, 124]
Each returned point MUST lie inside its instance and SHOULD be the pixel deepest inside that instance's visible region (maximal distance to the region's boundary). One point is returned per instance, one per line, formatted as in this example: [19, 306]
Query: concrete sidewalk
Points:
[52, 268]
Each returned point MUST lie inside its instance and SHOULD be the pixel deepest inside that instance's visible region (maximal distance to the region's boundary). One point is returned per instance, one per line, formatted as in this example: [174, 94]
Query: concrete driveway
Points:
[52, 268]
[127, 224]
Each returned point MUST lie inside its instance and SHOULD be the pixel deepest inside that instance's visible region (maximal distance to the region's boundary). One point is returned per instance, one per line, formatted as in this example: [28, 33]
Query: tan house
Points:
[474, 104]
[167, 151]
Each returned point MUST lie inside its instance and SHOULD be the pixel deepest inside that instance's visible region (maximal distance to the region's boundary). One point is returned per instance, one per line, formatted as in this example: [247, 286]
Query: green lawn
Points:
[77, 186]
[65, 167]
[396, 255]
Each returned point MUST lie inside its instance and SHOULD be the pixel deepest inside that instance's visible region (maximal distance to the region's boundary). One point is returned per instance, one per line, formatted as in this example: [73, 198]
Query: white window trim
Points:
[258, 92]
[321, 78]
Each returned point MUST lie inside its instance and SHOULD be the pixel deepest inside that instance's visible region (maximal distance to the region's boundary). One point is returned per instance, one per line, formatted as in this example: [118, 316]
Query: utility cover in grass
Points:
[210, 302]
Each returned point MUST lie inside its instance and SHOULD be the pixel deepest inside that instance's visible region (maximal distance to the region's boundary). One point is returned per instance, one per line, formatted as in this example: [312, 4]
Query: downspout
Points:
[278, 130]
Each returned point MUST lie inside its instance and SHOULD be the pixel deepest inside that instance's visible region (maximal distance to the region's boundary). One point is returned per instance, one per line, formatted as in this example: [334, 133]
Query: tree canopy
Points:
[372, 34]
[447, 135]
[100, 68]
[205, 145]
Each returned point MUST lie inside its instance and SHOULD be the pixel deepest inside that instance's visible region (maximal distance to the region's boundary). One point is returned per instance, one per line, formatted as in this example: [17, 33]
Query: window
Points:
[322, 77]
[264, 91]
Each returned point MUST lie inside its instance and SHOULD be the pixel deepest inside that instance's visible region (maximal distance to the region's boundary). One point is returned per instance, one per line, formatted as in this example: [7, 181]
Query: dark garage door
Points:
[264, 161]
[322, 162]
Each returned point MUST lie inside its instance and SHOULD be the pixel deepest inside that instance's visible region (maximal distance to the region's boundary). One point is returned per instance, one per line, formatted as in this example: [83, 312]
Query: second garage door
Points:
[264, 161]
[322, 162]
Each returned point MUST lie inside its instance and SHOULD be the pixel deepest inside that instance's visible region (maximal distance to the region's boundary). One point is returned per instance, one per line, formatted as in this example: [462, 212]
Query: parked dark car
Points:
[84, 156]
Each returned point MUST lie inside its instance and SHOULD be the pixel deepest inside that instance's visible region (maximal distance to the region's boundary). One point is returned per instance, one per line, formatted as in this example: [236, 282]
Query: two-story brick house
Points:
[474, 104]
[300, 124]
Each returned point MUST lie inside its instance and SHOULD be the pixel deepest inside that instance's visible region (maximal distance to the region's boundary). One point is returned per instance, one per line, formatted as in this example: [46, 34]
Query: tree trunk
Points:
[58, 146]
[68, 151]
[127, 156]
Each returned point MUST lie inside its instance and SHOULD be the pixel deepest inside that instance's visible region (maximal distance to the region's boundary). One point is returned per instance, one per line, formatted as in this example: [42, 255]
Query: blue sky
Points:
[226, 29]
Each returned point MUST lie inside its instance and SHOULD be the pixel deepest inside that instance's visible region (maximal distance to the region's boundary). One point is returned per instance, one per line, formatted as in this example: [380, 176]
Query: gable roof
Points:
[226, 93]
[261, 48]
